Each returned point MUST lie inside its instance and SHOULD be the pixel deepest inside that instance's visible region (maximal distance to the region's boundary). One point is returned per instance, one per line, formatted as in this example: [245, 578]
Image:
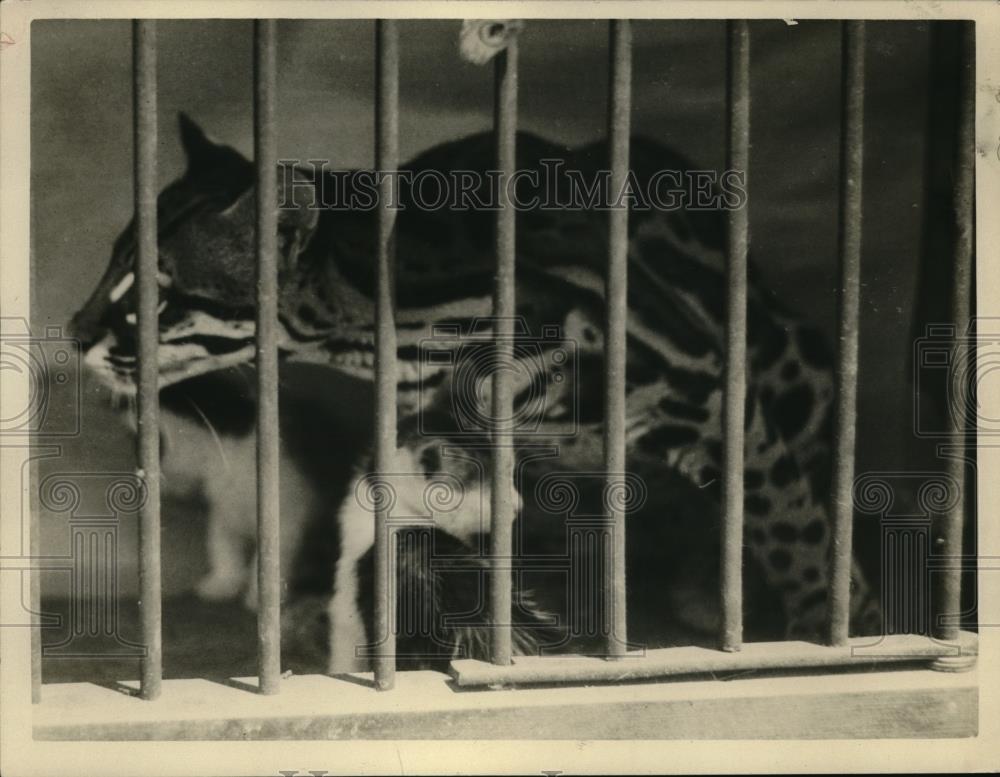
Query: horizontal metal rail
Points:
[679, 661]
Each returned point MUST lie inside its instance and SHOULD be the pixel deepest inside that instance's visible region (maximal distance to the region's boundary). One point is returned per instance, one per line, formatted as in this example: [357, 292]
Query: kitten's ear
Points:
[197, 147]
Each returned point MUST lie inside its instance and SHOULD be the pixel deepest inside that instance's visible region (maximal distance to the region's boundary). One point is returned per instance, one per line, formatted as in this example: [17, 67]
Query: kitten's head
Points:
[206, 275]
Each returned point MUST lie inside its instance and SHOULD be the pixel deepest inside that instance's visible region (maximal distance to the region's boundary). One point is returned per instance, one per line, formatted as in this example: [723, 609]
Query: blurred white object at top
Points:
[482, 39]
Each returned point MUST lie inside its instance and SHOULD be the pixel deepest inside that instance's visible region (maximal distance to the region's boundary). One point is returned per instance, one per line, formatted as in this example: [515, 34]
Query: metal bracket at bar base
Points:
[677, 661]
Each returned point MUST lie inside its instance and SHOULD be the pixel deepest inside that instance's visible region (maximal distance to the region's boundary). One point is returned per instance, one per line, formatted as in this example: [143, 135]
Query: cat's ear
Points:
[298, 204]
[298, 215]
[296, 225]
[298, 200]
[198, 148]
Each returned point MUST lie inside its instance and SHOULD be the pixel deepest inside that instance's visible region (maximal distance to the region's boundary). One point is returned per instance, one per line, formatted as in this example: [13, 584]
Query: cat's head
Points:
[206, 275]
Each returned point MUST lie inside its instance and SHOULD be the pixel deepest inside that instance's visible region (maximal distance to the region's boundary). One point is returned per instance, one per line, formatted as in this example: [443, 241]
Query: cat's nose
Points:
[89, 323]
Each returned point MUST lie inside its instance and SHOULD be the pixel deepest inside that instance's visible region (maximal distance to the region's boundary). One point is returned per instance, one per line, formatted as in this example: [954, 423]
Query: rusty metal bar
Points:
[616, 316]
[386, 162]
[950, 603]
[734, 403]
[851, 159]
[268, 493]
[502, 502]
[148, 409]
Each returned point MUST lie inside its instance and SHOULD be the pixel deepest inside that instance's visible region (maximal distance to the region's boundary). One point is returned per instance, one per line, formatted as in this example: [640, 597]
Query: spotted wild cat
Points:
[444, 282]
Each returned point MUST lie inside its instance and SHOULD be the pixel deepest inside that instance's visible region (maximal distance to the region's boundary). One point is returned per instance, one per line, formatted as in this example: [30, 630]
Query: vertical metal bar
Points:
[34, 544]
[386, 163]
[35, 586]
[965, 179]
[148, 445]
[734, 405]
[616, 315]
[502, 506]
[268, 494]
[851, 159]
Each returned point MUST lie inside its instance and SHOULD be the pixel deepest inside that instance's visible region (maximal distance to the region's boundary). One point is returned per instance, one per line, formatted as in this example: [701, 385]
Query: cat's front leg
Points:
[346, 623]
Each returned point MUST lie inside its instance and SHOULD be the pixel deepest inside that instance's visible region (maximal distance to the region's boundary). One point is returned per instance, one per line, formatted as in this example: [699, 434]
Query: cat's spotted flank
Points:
[444, 283]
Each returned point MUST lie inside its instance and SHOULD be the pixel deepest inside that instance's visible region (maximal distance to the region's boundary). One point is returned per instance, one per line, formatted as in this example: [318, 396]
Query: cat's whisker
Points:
[213, 432]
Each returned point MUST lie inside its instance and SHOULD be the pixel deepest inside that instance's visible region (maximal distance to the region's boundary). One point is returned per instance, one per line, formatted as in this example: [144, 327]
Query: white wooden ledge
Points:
[873, 704]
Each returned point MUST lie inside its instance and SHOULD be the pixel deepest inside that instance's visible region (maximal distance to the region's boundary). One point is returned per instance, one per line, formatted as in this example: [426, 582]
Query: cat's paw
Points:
[218, 588]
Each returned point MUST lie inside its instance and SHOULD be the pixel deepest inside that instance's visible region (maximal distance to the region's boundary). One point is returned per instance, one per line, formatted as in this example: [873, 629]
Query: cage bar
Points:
[147, 407]
[502, 502]
[35, 591]
[851, 159]
[951, 527]
[268, 488]
[386, 162]
[734, 404]
[616, 316]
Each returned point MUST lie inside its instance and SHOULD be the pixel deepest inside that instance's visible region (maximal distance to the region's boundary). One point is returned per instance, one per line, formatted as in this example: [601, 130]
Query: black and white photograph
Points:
[371, 376]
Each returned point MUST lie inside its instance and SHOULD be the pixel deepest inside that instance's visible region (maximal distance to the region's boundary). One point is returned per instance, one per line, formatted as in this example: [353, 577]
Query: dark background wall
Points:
[81, 158]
